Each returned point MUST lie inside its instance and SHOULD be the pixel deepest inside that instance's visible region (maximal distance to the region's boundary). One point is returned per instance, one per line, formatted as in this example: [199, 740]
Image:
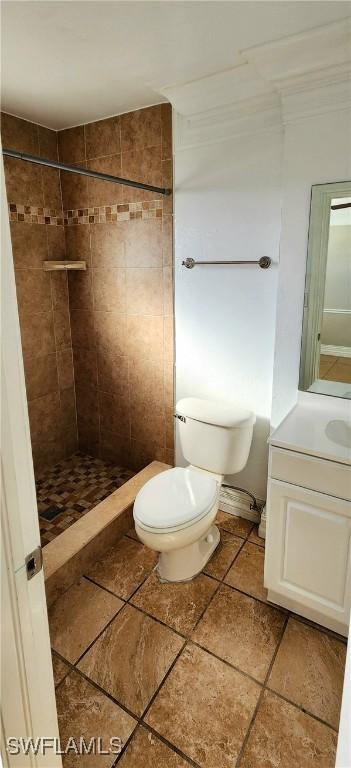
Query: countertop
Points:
[319, 426]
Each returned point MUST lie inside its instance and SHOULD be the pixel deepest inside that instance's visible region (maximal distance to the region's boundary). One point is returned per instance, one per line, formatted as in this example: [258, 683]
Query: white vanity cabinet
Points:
[308, 552]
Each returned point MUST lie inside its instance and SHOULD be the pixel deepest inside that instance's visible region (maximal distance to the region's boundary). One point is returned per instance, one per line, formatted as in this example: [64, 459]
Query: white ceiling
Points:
[66, 63]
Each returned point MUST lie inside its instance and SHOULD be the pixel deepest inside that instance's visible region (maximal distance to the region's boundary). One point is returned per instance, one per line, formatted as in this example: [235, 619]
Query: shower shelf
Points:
[55, 266]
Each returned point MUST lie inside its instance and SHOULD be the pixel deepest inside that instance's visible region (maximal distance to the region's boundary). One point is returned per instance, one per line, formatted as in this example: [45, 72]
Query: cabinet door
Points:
[308, 549]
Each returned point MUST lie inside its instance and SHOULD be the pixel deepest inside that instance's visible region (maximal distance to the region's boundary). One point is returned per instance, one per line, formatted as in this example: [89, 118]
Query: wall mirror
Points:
[326, 338]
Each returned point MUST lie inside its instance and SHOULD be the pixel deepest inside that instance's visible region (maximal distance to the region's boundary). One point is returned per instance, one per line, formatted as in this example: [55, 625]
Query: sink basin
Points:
[339, 431]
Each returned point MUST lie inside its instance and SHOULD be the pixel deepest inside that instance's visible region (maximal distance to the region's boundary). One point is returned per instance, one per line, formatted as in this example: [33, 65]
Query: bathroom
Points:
[180, 427]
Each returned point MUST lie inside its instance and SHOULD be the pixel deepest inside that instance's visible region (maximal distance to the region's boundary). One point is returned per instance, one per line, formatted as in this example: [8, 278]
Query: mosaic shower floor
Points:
[69, 489]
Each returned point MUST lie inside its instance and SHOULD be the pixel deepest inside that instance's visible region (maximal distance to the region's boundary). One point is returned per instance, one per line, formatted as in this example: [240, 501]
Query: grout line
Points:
[260, 698]
[302, 709]
[99, 635]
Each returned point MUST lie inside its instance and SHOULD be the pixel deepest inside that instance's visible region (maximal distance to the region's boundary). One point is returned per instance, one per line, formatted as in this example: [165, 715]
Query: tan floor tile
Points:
[309, 670]
[85, 711]
[146, 751]
[123, 567]
[204, 708]
[223, 556]
[284, 736]
[178, 605]
[241, 630]
[237, 525]
[340, 371]
[77, 617]
[131, 658]
[255, 538]
[60, 669]
[246, 573]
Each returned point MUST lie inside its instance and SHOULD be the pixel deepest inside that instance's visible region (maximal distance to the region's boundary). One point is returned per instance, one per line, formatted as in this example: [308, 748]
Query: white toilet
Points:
[174, 511]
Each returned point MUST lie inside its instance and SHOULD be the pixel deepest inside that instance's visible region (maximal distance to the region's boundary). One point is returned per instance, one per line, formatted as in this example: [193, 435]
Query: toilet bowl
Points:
[174, 512]
[174, 516]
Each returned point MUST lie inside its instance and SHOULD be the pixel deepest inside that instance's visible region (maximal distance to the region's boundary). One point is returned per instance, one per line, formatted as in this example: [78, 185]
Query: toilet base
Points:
[186, 563]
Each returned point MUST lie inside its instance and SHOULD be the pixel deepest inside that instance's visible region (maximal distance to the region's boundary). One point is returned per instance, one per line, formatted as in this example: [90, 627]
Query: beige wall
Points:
[121, 308]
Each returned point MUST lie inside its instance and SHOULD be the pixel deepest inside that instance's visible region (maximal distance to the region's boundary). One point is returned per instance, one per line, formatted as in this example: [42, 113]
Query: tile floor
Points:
[72, 487]
[335, 368]
[205, 673]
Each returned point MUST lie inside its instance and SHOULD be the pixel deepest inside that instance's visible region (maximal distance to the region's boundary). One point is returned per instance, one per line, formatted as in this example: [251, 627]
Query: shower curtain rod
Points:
[84, 171]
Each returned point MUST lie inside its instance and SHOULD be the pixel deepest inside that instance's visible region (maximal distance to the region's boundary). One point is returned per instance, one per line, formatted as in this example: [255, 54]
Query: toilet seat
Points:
[174, 500]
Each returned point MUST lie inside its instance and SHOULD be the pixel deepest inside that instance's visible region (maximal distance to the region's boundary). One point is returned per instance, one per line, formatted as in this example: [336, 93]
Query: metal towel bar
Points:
[264, 262]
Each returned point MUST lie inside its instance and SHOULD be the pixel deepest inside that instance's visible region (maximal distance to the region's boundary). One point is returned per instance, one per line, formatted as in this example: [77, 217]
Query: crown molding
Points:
[315, 50]
[239, 119]
[310, 71]
[280, 82]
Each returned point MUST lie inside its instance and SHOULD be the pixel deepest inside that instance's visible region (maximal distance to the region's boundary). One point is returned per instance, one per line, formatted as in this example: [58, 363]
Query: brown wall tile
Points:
[115, 448]
[71, 145]
[107, 245]
[37, 333]
[23, 182]
[44, 418]
[56, 243]
[87, 403]
[144, 291]
[141, 128]
[33, 290]
[18, 134]
[103, 192]
[103, 138]
[48, 146]
[62, 328]
[111, 332]
[142, 165]
[80, 290]
[85, 366]
[114, 413]
[145, 337]
[74, 190]
[146, 381]
[167, 240]
[78, 243]
[65, 369]
[52, 188]
[143, 242]
[29, 244]
[59, 290]
[166, 119]
[82, 327]
[112, 372]
[109, 289]
[41, 376]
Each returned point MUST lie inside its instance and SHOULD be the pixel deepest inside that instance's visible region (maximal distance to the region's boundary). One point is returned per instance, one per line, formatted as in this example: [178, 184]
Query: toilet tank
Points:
[215, 436]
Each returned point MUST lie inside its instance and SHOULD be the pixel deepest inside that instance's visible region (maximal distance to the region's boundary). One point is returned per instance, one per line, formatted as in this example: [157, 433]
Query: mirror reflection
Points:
[326, 342]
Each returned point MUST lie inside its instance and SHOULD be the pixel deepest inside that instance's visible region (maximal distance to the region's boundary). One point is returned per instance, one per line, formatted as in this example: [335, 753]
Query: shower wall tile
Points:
[48, 146]
[141, 128]
[29, 245]
[23, 182]
[166, 124]
[71, 145]
[103, 138]
[19, 134]
[42, 297]
[103, 192]
[74, 189]
[142, 165]
[104, 336]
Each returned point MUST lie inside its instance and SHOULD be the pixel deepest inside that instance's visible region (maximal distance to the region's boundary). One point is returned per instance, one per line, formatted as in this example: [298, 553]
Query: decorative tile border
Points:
[32, 214]
[118, 212]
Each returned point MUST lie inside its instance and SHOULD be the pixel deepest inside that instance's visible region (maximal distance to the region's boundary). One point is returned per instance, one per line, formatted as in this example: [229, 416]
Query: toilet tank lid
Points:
[228, 415]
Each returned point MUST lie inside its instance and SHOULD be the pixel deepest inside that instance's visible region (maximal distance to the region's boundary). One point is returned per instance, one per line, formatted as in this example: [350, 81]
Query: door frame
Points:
[28, 707]
[316, 268]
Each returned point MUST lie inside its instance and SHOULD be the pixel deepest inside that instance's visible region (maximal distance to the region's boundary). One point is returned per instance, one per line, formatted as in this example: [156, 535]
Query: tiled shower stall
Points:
[97, 344]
